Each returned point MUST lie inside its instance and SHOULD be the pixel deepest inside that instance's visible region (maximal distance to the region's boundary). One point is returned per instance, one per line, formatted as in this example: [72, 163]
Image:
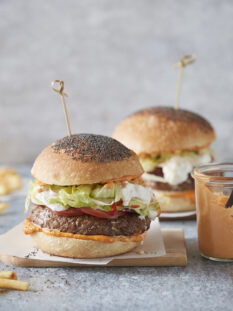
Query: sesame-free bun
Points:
[164, 129]
[77, 248]
[85, 159]
[174, 204]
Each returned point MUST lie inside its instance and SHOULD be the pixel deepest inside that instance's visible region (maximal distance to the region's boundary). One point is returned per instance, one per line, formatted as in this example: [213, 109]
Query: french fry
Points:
[9, 180]
[6, 170]
[11, 275]
[3, 188]
[3, 206]
[13, 284]
[13, 181]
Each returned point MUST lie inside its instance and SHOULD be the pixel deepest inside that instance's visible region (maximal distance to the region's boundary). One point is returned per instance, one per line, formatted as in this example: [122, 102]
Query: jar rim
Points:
[204, 172]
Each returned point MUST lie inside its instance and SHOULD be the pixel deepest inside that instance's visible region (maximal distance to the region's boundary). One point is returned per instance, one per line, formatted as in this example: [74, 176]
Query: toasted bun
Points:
[173, 205]
[85, 159]
[164, 129]
[75, 248]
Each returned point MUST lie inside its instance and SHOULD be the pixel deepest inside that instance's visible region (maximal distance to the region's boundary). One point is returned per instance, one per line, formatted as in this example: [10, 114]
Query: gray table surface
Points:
[202, 284]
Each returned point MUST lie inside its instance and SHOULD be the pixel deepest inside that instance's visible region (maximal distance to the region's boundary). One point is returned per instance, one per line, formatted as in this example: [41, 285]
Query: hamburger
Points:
[88, 200]
[169, 143]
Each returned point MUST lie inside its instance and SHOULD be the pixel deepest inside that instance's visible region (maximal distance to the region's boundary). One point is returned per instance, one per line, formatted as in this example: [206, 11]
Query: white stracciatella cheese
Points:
[44, 196]
[177, 168]
[130, 191]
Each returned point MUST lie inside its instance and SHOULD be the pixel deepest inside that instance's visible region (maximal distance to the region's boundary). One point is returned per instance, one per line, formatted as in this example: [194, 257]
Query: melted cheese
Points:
[29, 228]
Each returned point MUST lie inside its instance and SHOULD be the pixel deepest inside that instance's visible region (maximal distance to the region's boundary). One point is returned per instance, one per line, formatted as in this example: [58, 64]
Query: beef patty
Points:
[127, 224]
[157, 185]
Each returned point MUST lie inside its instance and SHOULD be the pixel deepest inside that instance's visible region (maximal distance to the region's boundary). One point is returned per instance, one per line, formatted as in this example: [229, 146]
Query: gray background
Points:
[115, 57]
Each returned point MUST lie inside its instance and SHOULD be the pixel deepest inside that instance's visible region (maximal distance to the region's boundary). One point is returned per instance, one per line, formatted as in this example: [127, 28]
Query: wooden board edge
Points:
[138, 262]
[172, 258]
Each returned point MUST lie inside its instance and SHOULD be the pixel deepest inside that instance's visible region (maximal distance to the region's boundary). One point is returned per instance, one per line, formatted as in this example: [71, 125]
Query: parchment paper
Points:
[16, 243]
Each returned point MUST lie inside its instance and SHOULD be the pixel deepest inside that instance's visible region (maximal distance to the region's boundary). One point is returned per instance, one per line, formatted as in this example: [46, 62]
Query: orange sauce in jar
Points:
[214, 219]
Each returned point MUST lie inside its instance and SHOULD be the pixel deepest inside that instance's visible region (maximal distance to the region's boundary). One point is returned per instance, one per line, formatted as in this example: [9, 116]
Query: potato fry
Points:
[11, 275]
[7, 170]
[3, 206]
[9, 180]
[3, 188]
[13, 182]
[13, 284]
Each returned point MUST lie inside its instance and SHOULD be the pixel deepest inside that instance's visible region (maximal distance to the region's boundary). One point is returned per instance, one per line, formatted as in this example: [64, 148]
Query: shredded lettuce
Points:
[151, 162]
[96, 196]
[100, 192]
[29, 196]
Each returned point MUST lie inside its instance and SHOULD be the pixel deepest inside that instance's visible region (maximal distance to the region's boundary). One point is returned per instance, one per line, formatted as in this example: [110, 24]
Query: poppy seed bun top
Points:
[164, 129]
[85, 159]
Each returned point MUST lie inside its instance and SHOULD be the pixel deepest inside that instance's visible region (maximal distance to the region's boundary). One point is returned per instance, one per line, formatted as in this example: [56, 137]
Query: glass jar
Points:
[213, 188]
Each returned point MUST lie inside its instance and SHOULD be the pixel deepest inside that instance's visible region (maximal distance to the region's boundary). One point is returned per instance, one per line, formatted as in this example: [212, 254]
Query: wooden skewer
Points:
[184, 61]
[60, 91]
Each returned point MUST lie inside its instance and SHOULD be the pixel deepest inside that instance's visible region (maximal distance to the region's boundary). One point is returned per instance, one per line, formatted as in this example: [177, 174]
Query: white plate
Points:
[177, 215]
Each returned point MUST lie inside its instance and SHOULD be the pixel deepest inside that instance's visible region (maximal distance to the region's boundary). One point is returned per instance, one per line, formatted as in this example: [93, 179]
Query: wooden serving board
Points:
[175, 255]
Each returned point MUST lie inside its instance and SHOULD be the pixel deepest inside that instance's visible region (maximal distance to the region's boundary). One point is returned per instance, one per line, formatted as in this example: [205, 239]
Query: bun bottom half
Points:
[170, 204]
[77, 248]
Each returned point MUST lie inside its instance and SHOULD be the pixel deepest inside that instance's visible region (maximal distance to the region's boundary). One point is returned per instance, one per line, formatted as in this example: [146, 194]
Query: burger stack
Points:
[170, 143]
[88, 199]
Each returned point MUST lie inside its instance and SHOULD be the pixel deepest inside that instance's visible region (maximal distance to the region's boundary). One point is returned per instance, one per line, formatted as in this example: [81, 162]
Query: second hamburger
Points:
[169, 142]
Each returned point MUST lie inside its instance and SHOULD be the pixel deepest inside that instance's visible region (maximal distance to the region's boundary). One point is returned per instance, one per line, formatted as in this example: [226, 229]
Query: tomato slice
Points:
[84, 210]
[134, 206]
[72, 211]
[96, 212]
[119, 203]
[113, 212]
[69, 212]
